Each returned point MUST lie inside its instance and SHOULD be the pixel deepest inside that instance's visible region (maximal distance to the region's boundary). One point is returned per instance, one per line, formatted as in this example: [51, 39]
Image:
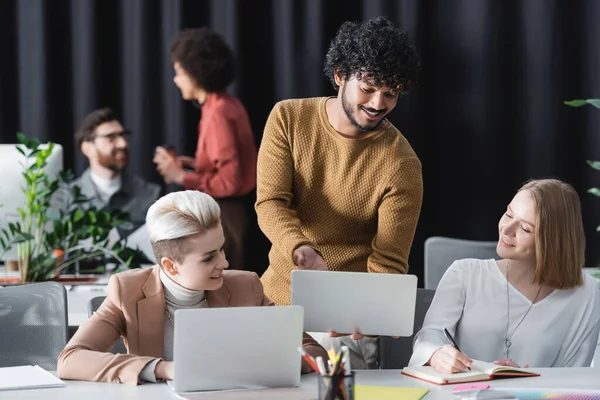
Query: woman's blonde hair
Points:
[559, 234]
[177, 216]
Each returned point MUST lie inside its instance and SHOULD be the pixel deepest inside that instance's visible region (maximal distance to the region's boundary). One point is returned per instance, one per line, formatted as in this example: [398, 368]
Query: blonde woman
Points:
[535, 307]
[187, 239]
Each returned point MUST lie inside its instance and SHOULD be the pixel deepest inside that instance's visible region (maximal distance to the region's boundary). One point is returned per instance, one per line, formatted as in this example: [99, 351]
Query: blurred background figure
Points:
[103, 141]
[225, 162]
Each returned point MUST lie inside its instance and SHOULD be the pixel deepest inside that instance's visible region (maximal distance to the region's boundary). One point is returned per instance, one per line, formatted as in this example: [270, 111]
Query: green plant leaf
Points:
[92, 216]
[576, 103]
[58, 228]
[78, 215]
[44, 192]
[594, 164]
[22, 138]
[14, 228]
[129, 260]
[580, 102]
[51, 240]
[594, 102]
[33, 143]
[594, 191]
[23, 237]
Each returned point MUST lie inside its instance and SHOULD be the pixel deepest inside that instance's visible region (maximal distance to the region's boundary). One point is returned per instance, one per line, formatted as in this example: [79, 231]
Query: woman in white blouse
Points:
[535, 307]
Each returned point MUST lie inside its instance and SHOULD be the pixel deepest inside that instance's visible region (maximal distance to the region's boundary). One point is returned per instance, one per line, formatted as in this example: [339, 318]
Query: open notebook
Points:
[480, 371]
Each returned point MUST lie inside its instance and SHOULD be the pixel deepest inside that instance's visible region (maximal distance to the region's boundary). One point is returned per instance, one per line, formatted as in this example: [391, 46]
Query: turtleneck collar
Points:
[177, 295]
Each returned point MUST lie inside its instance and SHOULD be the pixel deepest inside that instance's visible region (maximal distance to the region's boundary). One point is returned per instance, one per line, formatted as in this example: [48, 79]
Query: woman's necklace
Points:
[507, 340]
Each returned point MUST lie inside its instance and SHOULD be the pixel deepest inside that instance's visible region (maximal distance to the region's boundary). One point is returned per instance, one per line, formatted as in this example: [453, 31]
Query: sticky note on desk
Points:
[363, 392]
[460, 388]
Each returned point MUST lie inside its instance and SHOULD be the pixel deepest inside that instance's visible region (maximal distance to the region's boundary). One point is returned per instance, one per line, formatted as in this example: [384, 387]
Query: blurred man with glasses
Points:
[103, 140]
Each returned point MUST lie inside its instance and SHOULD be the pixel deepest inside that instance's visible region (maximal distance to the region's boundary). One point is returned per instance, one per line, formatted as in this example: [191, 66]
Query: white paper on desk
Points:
[27, 377]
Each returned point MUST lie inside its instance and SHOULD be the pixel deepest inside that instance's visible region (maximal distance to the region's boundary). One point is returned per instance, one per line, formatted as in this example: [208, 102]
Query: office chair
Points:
[441, 252]
[33, 324]
[93, 305]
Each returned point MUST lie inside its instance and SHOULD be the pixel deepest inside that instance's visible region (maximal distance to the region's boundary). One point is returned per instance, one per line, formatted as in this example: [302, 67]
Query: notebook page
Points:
[491, 368]
[430, 374]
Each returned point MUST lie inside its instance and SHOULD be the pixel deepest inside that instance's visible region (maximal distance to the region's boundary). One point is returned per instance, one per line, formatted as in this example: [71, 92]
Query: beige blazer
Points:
[134, 310]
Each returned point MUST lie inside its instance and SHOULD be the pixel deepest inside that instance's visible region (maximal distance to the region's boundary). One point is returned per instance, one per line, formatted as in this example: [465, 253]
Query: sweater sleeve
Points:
[397, 219]
[276, 215]
[445, 312]
[579, 350]
[225, 179]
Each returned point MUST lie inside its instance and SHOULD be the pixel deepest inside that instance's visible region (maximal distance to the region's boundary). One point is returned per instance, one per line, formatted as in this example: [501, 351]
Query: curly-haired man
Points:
[338, 186]
[225, 162]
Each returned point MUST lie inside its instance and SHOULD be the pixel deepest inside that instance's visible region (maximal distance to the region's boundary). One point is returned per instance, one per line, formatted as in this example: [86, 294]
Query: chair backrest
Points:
[395, 353]
[33, 324]
[441, 252]
[93, 305]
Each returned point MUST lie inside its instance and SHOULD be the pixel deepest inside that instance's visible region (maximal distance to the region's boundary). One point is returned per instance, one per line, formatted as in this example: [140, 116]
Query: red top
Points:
[226, 153]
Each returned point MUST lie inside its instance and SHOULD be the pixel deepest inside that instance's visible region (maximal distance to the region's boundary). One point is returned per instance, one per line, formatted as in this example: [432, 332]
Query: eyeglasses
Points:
[112, 137]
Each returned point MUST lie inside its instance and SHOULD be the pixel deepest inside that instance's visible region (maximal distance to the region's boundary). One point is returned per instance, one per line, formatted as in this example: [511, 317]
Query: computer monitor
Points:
[12, 182]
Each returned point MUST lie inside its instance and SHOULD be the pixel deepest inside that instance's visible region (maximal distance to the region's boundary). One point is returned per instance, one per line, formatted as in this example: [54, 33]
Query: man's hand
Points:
[306, 257]
[448, 360]
[356, 335]
[170, 169]
[164, 370]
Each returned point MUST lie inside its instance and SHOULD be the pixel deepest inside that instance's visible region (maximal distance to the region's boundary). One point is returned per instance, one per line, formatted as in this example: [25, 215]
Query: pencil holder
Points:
[338, 387]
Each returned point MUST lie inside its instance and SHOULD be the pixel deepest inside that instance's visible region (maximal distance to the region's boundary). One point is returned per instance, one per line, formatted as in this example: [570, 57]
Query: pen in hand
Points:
[452, 342]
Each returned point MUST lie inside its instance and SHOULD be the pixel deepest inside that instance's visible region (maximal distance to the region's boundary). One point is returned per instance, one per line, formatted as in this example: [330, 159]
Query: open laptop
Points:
[237, 348]
[373, 304]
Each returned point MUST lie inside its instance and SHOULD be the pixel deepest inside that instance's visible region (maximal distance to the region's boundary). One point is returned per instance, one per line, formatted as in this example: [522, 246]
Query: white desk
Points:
[553, 378]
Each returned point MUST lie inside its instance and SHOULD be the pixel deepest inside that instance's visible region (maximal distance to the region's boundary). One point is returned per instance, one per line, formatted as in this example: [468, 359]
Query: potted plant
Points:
[594, 164]
[50, 238]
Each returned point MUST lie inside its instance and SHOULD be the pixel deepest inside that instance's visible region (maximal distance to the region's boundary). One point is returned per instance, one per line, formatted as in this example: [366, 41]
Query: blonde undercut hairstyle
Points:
[559, 234]
[173, 218]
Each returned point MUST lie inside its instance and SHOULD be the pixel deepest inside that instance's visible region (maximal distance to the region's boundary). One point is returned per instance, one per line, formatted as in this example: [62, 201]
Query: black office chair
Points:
[33, 324]
[396, 353]
[93, 305]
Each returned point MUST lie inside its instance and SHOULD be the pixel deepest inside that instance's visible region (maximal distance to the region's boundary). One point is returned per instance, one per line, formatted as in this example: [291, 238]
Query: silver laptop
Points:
[237, 348]
[373, 304]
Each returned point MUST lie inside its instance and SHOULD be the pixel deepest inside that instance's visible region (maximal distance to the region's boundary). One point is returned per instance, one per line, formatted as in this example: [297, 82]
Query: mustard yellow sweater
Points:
[357, 201]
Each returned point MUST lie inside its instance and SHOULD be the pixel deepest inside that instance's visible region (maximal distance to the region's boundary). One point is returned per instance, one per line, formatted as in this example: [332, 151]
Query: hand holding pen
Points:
[449, 359]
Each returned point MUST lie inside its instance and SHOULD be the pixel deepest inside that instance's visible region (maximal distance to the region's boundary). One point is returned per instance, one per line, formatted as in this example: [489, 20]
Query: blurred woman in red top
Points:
[225, 163]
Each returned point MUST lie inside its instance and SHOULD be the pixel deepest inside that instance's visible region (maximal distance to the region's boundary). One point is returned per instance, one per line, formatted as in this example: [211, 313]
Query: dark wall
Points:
[487, 115]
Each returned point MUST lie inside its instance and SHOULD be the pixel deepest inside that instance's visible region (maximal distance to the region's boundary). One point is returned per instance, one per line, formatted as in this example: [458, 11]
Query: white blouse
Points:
[561, 330]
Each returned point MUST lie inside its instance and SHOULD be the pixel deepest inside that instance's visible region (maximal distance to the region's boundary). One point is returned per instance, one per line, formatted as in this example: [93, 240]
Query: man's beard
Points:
[350, 113]
[111, 162]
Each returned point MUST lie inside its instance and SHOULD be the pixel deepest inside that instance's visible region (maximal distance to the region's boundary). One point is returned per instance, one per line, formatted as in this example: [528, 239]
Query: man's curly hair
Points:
[205, 57]
[375, 51]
